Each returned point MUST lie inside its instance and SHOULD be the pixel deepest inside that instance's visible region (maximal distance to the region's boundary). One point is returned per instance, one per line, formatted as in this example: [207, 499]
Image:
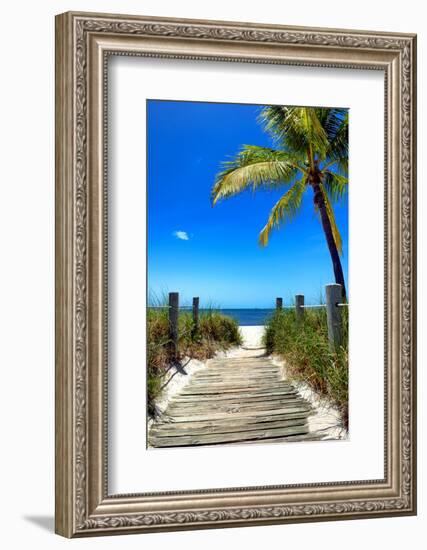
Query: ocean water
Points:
[249, 317]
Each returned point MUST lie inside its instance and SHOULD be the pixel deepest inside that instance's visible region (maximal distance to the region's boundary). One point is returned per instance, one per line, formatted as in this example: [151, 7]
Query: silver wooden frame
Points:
[83, 43]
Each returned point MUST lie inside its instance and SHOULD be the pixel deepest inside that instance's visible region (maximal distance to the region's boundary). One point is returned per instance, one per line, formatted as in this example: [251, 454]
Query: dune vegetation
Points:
[304, 345]
[216, 332]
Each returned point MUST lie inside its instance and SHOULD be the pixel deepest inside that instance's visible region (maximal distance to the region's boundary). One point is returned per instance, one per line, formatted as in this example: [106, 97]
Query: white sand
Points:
[252, 336]
[326, 418]
[178, 380]
[252, 342]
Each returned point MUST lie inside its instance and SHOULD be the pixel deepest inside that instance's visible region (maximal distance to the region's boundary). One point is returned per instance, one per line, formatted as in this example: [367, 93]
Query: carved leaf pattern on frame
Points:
[211, 31]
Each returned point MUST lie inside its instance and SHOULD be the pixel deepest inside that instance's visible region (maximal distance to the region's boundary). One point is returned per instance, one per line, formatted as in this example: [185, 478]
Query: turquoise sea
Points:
[249, 317]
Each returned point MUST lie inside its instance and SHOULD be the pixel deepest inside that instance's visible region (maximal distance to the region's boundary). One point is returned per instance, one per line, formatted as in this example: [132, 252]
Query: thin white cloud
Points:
[182, 235]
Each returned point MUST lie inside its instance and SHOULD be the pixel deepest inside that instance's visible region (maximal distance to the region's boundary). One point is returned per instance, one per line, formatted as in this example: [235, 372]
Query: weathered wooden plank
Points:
[240, 413]
[248, 391]
[273, 384]
[212, 428]
[230, 413]
[231, 389]
[231, 363]
[249, 398]
[310, 436]
[241, 370]
[239, 377]
[237, 373]
[247, 414]
[232, 378]
[256, 369]
[233, 401]
[250, 371]
[260, 357]
[241, 374]
[244, 396]
[256, 382]
[231, 407]
[210, 439]
[237, 383]
[256, 366]
[165, 421]
[276, 390]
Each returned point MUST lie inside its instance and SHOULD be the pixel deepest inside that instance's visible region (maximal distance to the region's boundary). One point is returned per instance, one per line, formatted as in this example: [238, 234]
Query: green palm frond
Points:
[297, 128]
[335, 231]
[335, 184]
[312, 143]
[339, 164]
[284, 209]
[338, 145]
[333, 121]
[254, 167]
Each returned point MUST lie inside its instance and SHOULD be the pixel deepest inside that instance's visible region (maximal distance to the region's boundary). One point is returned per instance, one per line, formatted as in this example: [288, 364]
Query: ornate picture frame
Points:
[84, 42]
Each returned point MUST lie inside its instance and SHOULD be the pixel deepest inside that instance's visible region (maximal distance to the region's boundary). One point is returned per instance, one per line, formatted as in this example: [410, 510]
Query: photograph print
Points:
[247, 262]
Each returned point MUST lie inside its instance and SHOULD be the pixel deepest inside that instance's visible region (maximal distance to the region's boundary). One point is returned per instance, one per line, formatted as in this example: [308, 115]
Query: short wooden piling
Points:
[173, 322]
[333, 310]
[279, 303]
[299, 309]
[195, 316]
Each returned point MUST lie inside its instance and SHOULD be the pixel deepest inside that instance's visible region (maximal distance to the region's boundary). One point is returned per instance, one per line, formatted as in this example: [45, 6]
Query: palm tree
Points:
[311, 151]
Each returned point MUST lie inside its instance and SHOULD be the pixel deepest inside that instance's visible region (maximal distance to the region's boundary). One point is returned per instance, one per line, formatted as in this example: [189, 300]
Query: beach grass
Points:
[216, 332]
[305, 347]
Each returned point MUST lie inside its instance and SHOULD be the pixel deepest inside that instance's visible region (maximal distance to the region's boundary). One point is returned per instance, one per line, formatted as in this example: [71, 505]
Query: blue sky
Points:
[213, 252]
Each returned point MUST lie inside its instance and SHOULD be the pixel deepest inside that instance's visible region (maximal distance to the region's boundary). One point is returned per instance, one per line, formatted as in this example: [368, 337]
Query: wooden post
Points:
[333, 298]
[279, 303]
[195, 316]
[299, 310]
[173, 322]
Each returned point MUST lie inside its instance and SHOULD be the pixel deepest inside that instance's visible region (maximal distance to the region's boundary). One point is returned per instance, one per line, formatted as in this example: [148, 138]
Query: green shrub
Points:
[219, 328]
[216, 332]
[305, 347]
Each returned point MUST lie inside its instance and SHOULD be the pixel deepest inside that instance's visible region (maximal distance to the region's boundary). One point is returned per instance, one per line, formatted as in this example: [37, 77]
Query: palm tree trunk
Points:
[319, 201]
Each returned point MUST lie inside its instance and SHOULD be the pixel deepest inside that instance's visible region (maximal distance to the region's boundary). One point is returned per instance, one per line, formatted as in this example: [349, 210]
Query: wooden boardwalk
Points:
[234, 400]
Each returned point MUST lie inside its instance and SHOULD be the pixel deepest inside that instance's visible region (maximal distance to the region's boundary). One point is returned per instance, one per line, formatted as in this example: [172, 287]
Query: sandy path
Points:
[252, 343]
